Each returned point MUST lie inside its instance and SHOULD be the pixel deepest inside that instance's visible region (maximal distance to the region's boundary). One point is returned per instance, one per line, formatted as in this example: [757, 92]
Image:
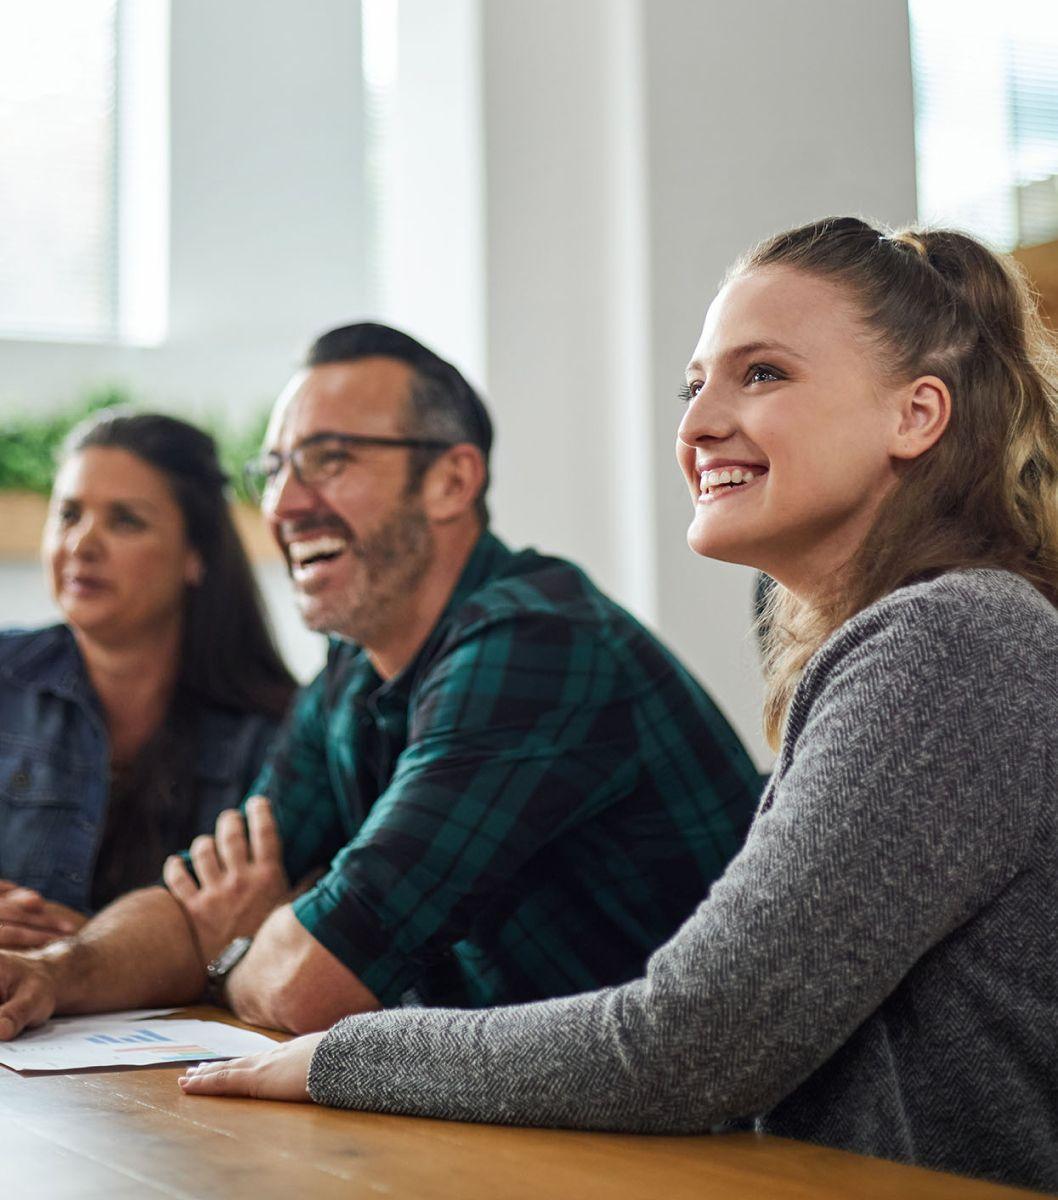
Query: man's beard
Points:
[394, 559]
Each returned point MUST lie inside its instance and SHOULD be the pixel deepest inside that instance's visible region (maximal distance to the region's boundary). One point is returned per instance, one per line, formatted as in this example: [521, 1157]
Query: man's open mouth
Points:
[313, 550]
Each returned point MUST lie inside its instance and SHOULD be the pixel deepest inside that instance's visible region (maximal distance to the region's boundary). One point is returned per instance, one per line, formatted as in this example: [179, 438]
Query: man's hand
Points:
[28, 920]
[279, 1074]
[27, 994]
[240, 880]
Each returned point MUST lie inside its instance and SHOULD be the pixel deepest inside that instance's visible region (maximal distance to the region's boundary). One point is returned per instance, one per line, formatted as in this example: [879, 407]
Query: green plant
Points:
[29, 446]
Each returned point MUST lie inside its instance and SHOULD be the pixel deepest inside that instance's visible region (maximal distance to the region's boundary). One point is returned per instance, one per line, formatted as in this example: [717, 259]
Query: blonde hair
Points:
[934, 302]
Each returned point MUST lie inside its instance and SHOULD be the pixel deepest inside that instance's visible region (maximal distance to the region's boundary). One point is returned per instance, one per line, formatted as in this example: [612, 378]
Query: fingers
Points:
[23, 898]
[58, 916]
[219, 1079]
[265, 842]
[178, 878]
[17, 915]
[27, 998]
[22, 906]
[204, 857]
[232, 846]
[24, 937]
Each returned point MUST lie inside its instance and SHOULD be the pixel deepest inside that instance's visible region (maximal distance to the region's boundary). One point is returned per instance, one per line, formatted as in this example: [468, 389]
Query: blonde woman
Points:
[870, 420]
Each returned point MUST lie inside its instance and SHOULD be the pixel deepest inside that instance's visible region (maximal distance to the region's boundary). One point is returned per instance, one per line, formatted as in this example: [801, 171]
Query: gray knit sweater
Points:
[877, 969]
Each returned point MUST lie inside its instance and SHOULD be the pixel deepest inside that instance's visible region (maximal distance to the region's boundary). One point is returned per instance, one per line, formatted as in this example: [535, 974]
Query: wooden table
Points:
[132, 1135]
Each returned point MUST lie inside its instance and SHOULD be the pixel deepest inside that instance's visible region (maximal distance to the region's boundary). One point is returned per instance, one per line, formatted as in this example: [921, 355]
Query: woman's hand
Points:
[279, 1074]
[27, 920]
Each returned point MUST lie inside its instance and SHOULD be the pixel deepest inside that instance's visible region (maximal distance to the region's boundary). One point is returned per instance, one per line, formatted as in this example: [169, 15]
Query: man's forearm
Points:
[289, 981]
[136, 953]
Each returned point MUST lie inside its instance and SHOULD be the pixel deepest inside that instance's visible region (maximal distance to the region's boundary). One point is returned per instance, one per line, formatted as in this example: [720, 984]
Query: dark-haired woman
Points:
[127, 729]
[872, 419]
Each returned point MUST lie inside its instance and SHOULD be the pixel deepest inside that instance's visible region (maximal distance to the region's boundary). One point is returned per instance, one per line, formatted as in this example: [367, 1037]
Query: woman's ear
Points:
[453, 483]
[923, 415]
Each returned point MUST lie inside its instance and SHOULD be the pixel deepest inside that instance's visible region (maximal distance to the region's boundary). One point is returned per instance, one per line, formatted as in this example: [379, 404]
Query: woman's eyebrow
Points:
[134, 504]
[744, 351]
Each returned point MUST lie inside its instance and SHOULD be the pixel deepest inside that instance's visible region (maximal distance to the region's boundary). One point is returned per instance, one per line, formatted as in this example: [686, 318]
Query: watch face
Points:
[227, 959]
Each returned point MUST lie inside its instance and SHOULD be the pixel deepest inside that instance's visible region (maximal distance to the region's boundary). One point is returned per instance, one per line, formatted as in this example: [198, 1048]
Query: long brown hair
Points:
[935, 302]
[229, 657]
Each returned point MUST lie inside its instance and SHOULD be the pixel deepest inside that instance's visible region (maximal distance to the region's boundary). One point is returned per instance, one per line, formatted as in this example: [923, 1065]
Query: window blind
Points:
[58, 138]
[986, 117]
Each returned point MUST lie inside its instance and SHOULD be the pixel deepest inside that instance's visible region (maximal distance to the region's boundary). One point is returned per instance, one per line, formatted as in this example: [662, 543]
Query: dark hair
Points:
[228, 656]
[441, 404]
[934, 302]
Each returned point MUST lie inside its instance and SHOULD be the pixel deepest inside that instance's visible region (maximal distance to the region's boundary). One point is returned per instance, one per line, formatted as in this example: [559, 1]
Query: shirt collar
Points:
[486, 560]
[51, 662]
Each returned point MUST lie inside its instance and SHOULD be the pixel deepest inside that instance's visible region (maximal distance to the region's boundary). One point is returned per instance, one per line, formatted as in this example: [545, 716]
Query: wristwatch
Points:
[221, 967]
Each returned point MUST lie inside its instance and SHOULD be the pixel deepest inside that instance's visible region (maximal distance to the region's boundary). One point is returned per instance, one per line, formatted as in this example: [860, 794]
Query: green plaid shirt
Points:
[528, 810]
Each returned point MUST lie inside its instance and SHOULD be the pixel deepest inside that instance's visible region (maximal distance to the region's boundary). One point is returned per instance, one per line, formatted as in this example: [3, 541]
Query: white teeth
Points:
[302, 551]
[724, 476]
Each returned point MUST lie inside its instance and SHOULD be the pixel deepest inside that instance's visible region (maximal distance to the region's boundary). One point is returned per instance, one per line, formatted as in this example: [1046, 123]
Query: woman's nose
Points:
[84, 539]
[707, 418]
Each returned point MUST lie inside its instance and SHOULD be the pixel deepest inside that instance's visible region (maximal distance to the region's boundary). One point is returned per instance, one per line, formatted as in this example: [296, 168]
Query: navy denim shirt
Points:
[55, 758]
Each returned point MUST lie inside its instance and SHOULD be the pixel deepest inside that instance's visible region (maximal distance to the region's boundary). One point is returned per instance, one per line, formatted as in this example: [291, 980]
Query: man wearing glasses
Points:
[505, 787]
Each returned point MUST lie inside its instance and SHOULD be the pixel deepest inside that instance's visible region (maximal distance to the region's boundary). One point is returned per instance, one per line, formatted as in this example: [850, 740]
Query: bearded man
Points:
[505, 787]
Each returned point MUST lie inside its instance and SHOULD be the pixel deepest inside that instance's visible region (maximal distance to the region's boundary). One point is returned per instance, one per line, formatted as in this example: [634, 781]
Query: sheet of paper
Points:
[93, 1019]
[93, 1042]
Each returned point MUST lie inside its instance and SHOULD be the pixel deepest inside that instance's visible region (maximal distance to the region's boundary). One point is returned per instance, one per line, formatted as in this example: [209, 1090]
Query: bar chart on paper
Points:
[111, 1041]
[147, 1039]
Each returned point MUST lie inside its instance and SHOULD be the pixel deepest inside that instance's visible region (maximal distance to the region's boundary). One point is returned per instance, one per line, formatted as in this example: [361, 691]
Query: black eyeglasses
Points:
[321, 457]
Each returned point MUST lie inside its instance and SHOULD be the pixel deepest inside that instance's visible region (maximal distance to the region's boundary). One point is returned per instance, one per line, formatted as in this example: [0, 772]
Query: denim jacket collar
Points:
[48, 660]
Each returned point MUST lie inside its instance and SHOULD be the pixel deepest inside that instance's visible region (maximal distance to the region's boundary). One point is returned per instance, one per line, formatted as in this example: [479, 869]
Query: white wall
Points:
[267, 214]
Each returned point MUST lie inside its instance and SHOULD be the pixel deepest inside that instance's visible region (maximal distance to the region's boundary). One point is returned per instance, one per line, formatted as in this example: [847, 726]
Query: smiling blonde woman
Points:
[871, 420]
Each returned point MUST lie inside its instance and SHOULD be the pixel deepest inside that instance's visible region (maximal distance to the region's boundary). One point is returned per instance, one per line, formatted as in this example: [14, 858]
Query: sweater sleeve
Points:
[901, 808]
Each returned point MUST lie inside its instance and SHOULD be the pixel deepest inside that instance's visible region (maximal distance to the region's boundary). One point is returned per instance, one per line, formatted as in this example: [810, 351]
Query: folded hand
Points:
[240, 877]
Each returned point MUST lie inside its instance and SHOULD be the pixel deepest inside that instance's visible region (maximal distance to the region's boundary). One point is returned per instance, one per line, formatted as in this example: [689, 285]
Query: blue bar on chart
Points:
[141, 1035]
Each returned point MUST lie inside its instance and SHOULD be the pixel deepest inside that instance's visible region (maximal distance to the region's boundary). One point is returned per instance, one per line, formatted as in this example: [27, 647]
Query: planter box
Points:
[22, 516]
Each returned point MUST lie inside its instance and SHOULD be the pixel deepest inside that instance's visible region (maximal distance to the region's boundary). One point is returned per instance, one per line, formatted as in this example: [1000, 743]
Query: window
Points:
[986, 117]
[83, 169]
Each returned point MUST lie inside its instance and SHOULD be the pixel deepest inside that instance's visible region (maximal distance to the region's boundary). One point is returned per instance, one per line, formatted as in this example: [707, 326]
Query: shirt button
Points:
[20, 779]
[75, 877]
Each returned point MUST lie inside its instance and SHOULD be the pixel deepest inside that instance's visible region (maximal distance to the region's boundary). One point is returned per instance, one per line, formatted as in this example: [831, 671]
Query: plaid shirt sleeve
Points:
[509, 743]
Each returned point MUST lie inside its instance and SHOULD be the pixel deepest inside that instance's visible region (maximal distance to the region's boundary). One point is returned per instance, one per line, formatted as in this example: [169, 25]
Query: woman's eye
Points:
[689, 390]
[762, 373]
[67, 515]
[124, 519]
